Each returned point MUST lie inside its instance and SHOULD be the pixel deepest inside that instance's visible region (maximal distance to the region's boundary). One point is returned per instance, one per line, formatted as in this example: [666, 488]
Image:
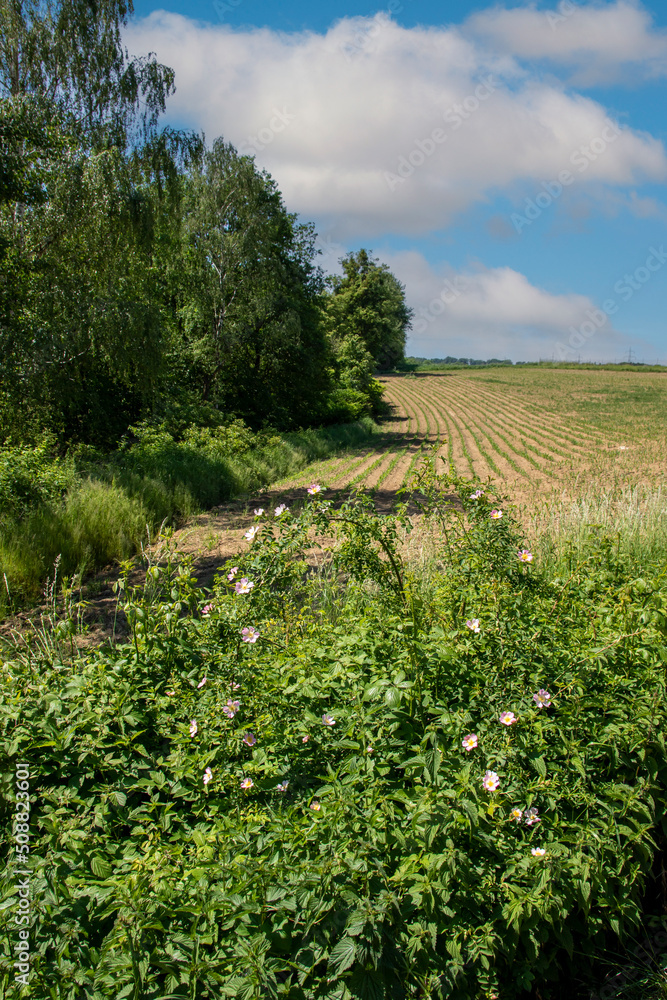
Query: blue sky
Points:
[507, 161]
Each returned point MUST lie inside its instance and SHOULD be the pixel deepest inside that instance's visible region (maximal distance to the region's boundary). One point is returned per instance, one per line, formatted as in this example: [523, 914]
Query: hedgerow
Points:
[354, 782]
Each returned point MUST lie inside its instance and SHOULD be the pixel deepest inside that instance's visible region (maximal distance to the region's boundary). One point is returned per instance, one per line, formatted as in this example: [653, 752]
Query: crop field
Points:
[295, 764]
[538, 431]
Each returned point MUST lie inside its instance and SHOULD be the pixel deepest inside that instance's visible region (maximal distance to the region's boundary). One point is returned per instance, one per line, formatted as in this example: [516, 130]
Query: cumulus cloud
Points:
[496, 312]
[600, 43]
[373, 128]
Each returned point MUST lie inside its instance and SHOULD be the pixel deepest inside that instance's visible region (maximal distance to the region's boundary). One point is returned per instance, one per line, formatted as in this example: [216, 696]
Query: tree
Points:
[68, 54]
[369, 302]
[86, 180]
[249, 298]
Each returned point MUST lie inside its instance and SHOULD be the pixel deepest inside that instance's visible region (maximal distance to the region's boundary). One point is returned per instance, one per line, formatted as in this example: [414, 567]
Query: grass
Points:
[92, 510]
[633, 521]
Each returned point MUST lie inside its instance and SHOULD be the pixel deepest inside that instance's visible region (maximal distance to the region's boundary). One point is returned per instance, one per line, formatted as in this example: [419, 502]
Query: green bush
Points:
[312, 812]
[91, 509]
[345, 404]
[30, 477]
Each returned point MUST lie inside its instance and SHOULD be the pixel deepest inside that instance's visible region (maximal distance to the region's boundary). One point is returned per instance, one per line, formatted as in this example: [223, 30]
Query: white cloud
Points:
[334, 116]
[599, 42]
[497, 312]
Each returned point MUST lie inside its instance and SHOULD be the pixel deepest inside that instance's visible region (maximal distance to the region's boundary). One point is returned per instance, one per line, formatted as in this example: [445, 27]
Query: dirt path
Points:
[214, 537]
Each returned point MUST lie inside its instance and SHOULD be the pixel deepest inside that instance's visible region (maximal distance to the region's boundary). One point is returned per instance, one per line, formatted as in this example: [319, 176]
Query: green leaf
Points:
[342, 956]
[392, 697]
[356, 924]
[100, 866]
[471, 809]
[585, 890]
[539, 765]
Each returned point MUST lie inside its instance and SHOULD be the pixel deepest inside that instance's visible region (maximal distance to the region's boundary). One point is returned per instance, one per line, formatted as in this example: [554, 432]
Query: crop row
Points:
[476, 428]
[492, 432]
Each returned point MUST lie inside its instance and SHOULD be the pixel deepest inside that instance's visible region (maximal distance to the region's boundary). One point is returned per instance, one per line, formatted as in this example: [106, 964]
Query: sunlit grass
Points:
[632, 518]
[107, 508]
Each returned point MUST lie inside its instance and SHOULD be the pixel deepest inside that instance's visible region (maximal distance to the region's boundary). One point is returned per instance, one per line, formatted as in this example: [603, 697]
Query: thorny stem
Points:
[388, 552]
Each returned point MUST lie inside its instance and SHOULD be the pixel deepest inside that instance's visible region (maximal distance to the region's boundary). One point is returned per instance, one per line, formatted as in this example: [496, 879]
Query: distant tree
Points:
[368, 301]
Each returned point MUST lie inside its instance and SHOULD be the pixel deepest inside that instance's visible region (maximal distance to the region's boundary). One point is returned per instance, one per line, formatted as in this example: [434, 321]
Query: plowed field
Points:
[545, 435]
[539, 431]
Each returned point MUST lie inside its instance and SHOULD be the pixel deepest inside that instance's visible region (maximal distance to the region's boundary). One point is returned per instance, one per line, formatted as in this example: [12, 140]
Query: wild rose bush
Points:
[333, 785]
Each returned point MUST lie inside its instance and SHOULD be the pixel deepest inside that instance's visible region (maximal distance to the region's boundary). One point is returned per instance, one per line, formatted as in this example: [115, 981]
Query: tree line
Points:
[145, 274]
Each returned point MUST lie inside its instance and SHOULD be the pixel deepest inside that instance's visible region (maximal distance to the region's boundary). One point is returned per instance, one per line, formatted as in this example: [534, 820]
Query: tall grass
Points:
[631, 521]
[99, 511]
[94, 524]
[625, 527]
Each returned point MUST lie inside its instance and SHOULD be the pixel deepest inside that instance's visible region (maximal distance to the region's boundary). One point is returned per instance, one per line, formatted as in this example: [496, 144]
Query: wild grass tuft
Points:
[92, 509]
[631, 522]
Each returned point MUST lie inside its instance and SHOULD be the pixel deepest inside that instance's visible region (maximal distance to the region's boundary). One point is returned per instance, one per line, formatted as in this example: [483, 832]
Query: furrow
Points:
[512, 426]
[464, 456]
[518, 463]
[550, 428]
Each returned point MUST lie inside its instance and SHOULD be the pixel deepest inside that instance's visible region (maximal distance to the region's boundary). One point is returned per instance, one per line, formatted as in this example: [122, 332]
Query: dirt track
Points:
[526, 430]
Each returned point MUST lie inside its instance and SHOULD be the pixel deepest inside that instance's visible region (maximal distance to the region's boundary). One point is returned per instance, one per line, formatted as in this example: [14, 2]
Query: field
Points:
[570, 449]
[541, 432]
[429, 765]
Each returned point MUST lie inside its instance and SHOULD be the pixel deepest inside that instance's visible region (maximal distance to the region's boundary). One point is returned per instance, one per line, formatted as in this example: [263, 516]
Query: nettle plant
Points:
[351, 782]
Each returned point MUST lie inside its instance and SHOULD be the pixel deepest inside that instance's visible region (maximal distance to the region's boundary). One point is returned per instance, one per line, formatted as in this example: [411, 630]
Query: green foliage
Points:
[82, 317]
[358, 389]
[74, 58]
[30, 477]
[343, 843]
[82, 322]
[252, 341]
[94, 524]
[91, 509]
[142, 273]
[368, 303]
[28, 139]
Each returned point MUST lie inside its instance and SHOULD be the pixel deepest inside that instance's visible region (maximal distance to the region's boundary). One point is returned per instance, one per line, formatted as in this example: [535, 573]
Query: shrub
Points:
[30, 477]
[91, 508]
[312, 811]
